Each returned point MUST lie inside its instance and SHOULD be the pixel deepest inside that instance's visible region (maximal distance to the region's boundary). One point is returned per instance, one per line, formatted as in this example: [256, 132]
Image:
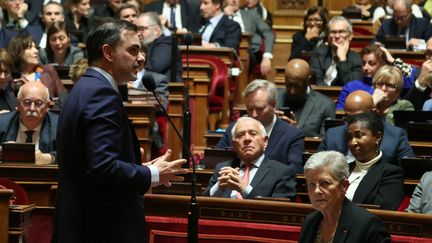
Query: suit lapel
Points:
[275, 135]
[259, 176]
[44, 136]
[218, 26]
[12, 133]
[307, 109]
[344, 224]
[368, 182]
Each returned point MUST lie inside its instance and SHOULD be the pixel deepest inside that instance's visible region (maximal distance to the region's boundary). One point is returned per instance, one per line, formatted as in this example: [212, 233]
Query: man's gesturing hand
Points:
[169, 171]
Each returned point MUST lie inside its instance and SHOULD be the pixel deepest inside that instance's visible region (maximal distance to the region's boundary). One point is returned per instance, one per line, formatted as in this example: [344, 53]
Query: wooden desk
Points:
[243, 78]
[362, 26]
[36, 180]
[175, 112]
[274, 212]
[5, 196]
[142, 116]
[19, 222]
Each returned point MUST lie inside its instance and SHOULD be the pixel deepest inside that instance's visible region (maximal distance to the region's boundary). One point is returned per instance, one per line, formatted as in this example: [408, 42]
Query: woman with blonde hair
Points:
[388, 83]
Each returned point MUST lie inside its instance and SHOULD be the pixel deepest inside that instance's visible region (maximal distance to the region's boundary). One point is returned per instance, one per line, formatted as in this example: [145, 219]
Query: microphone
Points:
[188, 38]
[148, 81]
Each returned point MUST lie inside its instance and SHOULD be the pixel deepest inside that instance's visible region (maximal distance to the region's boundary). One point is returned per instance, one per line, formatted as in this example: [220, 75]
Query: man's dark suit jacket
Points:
[272, 179]
[285, 144]
[190, 13]
[355, 224]
[8, 100]
[101, 180]
[418, 97]
[321, 60]
[394, 144]
[419, 28]
[9, 126]
[227, 33]
[314, 111]
[159, 58]
[383, 185]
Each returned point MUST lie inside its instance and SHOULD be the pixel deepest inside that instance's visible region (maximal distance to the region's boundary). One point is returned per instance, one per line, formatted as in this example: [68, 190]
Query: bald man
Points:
[394, 144]
[307, 108]
[32, 122]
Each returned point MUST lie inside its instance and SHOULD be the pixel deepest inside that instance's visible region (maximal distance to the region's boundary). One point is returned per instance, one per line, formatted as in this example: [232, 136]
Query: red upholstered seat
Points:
[404, 204]
[219, 76]
[20, 195]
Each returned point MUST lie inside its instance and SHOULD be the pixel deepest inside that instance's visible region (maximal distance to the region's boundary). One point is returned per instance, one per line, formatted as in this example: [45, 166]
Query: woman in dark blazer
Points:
[313, 33]
[337, 219]
[372, 181]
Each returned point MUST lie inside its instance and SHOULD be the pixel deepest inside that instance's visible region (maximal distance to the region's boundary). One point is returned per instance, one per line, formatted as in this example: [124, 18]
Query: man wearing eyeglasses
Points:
[415, 30]
[32, 122]
[158, 46]
[421, 90]
[335, 64]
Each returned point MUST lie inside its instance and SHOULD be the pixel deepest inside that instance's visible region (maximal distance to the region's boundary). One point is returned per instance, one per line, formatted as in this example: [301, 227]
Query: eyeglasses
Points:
[401, 18]
[340, 32]
[37, 103]
[388, 86]
[314, 21]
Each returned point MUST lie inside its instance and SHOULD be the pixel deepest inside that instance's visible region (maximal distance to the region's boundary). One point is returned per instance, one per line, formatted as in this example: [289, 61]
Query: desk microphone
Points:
[150, 84]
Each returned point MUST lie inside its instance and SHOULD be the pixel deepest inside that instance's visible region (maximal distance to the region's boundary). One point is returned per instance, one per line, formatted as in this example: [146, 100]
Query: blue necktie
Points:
[172, 17]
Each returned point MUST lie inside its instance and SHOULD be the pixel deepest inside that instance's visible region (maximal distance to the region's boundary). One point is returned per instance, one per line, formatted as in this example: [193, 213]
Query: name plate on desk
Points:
[18, 152]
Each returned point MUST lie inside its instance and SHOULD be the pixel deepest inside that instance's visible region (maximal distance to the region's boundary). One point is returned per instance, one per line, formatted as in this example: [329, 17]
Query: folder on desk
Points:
[395, 42]
[18, 152]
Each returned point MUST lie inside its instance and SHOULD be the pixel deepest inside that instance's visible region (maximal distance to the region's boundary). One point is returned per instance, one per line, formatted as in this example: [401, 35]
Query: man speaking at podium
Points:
[101, 178]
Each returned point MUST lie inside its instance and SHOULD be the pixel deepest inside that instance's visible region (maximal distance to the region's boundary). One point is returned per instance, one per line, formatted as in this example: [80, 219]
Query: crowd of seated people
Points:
[368, 141]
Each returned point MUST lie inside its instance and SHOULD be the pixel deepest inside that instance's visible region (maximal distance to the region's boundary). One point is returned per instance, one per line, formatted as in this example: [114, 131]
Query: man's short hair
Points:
[153, 18]
[246, 118]
[20, 94]
[340, 18]
[270, 87]
[105, 33]
[52, 3]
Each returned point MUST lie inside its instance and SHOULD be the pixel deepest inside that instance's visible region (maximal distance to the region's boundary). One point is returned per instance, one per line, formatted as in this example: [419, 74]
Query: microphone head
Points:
[188, 39]
[148, 82]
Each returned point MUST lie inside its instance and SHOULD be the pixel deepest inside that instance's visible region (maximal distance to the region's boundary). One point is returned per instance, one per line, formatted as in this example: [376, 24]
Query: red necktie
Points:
[245, 180]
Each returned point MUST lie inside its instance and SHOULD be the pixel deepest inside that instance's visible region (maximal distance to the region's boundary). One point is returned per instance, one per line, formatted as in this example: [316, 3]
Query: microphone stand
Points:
[193, 206]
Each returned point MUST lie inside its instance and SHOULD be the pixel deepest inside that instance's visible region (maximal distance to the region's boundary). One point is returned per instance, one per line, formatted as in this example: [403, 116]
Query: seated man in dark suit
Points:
[183, 15]
[219, 30]
[158, 46]
[107, 8]
[254, 174]
[32, 123]
[394, 144]
[261, 34]
[416, 30]
[309, 109]
[286, 143]
[335, 64]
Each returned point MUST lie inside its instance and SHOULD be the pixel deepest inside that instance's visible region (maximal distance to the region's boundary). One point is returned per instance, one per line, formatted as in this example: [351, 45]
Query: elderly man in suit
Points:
[219, 30]
[394, 144]
[32, 122]
[308, 108]
[285, 143]
[416, 30]
[335, 64]
[254, 175]
[101, 177]
[252, 23]
[181, 15]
